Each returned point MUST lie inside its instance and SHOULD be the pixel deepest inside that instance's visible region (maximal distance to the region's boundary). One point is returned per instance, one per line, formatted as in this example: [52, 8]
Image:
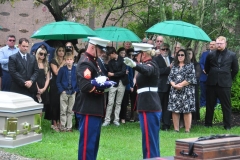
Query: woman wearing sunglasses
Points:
[43, 77]
[182, 93]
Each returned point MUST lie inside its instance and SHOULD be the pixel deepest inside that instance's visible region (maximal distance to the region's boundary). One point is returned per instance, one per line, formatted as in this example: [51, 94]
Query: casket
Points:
[20, 121]
[227, 147]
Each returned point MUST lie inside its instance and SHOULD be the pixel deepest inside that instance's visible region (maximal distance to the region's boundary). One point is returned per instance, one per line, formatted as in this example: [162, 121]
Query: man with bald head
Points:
[158, 42]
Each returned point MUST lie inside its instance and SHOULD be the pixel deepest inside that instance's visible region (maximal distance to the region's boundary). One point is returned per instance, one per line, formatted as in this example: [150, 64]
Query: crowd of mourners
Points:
[53, 80]
[51, 87]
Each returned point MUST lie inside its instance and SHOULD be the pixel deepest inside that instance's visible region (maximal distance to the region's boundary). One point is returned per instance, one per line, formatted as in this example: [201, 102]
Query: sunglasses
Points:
[180, 55]
[41, 54]
[159, 41]
[165, 49]
[11, 40]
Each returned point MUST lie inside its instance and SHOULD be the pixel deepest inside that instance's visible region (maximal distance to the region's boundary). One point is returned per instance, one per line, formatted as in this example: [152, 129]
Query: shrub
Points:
[235, 94]
[217, 116]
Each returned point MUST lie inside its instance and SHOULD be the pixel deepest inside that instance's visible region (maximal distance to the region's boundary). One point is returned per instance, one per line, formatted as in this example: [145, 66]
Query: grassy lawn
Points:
[116, 143]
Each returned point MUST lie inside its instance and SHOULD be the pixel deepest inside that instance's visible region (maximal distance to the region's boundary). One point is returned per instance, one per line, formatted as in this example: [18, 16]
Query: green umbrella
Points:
[63, 30]
[179, 29]
[117, 34]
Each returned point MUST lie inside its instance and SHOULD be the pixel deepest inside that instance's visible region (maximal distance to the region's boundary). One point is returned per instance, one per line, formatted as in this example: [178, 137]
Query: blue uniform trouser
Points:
[90, 129]
[202, 94]
[150, 126]
[6, 81]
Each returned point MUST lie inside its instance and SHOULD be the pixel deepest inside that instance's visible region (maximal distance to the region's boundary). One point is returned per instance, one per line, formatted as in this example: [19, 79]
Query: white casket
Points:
[20, 121]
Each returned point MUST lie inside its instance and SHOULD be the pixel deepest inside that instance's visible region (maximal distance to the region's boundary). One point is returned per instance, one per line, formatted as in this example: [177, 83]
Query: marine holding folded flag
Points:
[89, 104]
[148, 105]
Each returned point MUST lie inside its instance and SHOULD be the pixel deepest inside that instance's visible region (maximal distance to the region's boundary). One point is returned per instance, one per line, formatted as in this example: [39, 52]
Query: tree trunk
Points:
[199, 23]
[57, 12]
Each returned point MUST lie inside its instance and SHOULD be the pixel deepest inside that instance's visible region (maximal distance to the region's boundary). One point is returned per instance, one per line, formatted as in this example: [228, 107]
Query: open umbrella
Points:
[179, 29]
[63, 30]
[117, 34]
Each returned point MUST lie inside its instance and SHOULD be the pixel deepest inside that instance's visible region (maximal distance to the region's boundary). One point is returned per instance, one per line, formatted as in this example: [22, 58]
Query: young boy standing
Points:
[67, 87]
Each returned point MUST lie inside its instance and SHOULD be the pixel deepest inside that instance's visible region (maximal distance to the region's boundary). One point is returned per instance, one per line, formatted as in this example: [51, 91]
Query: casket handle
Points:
[194, 155]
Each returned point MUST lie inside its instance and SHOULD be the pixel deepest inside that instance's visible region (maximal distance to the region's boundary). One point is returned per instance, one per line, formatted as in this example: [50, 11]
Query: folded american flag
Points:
[101, 82]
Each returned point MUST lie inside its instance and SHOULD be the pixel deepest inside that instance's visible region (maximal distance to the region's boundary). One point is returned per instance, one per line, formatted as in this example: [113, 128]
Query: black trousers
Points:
[125, 102]
[224, 95]
[166, 115]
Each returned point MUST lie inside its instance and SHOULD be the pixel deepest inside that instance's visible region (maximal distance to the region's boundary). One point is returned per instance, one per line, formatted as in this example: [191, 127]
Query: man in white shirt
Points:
[5, 52]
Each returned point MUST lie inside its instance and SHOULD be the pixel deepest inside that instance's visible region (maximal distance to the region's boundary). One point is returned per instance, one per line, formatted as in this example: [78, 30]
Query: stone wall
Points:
[21, 19]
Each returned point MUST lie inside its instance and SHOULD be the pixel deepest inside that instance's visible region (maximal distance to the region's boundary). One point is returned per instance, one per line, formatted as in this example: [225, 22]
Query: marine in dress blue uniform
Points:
[148, 105]
[89, 104]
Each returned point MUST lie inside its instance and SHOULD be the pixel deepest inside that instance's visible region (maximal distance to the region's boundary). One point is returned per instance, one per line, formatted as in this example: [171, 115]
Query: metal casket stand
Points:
[20, 122]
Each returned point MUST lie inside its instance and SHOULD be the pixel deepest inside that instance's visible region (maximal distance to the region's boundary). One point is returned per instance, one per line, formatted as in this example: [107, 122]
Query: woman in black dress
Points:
[56, 63]
[195, 115]
[43, 78]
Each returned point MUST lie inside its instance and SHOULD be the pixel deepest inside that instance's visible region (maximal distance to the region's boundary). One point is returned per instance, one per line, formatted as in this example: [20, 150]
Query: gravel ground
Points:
[10, 156]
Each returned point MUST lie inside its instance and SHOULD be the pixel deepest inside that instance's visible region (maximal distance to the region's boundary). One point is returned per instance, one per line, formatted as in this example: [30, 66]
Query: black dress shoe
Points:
[165, 128]
[227, 128]
[208, 126]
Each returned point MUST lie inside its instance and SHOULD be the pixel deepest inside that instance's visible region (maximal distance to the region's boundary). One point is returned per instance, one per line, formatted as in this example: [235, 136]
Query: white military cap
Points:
[98, 41]
[142, 47]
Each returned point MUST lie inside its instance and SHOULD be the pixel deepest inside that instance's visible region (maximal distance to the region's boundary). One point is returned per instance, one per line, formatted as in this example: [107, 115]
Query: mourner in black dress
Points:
[56, 63]
[197, 67]
[148, 105]
[89, 103]
[42, 95]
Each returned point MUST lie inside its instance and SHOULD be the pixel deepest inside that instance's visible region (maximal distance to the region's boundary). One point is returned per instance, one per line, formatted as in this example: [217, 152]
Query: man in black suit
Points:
[23, 69]
[221, 66]
[164, 61]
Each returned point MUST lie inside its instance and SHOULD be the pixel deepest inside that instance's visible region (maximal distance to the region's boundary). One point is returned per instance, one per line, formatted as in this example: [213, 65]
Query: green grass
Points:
[116, 143]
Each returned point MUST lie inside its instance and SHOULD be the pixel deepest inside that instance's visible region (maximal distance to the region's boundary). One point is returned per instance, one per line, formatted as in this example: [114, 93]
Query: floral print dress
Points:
[182, 101]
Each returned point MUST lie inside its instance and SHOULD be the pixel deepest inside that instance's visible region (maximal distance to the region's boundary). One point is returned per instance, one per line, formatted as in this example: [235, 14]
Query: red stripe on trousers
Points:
[85, 138]
[146, 133]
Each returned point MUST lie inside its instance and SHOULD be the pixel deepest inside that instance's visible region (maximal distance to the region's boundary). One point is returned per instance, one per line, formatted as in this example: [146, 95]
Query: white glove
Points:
[129, 62]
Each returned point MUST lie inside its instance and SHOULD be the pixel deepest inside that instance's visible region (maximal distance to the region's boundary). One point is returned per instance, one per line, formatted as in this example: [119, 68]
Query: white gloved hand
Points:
[129, 62]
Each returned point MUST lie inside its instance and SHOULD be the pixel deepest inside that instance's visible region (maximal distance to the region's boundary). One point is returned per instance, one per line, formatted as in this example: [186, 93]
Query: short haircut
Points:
[69, 55]
[120, 50]
[221, 38]
[12, 36]
[111, 50]
[164, 45]
[23, 39]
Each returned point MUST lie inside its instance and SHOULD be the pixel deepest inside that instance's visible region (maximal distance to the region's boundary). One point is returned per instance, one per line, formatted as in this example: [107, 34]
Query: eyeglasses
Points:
[164, 49]
[219, 43]
[159, 41]
[180, 55]
[11, 40]
[41, 54]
